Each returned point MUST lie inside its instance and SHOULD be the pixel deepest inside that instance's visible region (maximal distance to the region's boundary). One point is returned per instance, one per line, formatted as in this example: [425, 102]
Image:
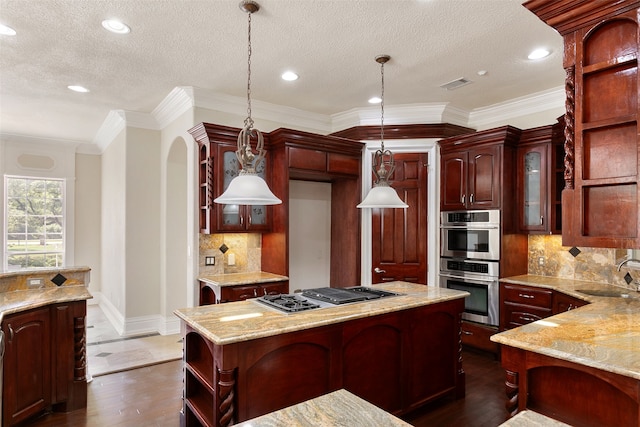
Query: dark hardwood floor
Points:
[151, 396]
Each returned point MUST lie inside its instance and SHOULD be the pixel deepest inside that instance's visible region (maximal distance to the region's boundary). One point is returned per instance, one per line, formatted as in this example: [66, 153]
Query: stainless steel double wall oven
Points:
[470, 260]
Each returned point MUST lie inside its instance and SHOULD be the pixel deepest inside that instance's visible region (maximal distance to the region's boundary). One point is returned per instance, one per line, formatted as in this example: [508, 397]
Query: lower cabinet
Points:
[479, 336]
[211, 294]
[520, 304]
[44, 362]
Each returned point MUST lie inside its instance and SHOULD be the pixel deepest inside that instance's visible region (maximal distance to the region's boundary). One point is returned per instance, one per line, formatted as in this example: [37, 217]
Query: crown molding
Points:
[287, 116]
[518, 107]
[110, 129]
[176, 103]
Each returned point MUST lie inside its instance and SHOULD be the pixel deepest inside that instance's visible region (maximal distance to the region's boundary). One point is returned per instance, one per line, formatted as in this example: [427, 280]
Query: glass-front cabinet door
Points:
[238, 217]
[532, 170]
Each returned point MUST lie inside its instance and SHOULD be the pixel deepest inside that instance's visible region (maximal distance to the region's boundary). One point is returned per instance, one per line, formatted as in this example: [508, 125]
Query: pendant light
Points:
[248, 188]
[382, 195]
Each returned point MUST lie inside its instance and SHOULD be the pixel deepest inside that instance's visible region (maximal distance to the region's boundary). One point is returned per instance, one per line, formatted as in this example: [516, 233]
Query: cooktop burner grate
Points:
[287, 302]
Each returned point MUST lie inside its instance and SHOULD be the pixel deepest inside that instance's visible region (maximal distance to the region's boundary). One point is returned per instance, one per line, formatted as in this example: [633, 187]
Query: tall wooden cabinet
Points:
[540, 179]
[601, 200]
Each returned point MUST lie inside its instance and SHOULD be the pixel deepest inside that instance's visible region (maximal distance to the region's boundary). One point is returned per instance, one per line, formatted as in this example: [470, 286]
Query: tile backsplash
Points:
[233, 253]
[547, 257]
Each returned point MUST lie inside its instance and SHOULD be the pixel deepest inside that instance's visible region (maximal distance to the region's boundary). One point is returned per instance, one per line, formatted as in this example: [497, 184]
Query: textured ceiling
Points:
[203, 43]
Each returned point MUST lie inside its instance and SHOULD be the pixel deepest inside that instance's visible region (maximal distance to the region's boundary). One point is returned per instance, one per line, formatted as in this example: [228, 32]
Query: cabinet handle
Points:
[467, 333]
[463, 199]
[541, 220]
[471, 198]
[527, 318]
[242, 220]
[264, 290]
[526, 296]
[379, 270]
[249, 220]
[11, 334]
[255, 292]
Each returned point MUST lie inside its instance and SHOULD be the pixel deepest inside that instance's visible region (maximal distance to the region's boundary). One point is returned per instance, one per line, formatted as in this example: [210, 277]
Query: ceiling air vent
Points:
[455, 84]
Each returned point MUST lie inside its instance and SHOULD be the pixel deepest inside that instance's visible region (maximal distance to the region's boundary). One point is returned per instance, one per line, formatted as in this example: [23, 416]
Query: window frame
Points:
[5, 206]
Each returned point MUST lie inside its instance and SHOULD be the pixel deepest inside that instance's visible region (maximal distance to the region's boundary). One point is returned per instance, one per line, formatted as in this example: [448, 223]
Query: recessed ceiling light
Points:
[539, 54]
[7, 31]
[375, 100]
[76, 88]
[289, 76]
[115, 26]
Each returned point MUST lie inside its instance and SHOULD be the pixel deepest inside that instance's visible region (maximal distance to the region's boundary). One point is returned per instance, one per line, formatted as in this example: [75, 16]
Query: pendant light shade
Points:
[248, 188]
[382, 195]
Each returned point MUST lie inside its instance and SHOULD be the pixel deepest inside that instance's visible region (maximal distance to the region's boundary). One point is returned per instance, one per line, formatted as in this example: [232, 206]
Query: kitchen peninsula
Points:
[582, 366]
[244, 359]
[42, 313]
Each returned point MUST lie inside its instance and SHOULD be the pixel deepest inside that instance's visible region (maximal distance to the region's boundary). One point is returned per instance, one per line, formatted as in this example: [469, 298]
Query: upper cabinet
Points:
[218, 166]
[540, 172]
[477, 169]
[600, 202]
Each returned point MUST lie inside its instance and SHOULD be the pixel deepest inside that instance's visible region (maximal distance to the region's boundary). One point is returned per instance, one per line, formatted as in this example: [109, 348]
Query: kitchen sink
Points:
[604, 293]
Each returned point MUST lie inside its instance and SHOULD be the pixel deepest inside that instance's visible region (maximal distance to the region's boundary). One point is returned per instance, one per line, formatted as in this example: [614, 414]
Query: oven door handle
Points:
[470, 227]
[470, 279]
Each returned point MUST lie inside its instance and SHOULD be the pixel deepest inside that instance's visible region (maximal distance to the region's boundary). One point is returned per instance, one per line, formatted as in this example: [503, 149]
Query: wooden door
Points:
[453, 186]
[399, 236]
[484, 178]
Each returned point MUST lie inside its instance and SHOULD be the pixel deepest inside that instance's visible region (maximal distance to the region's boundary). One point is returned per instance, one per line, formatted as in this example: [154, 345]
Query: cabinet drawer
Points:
[300, 158]
[339, 163]
[479, 336]
[528, 296]
[517, 315]
[239, 293]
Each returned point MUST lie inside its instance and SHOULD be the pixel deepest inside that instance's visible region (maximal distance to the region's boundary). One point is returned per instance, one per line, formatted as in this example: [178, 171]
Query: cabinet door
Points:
[484, 178]
[27, 365]
[453, 183]
[533, 189]
[237, 217]
[563, 302]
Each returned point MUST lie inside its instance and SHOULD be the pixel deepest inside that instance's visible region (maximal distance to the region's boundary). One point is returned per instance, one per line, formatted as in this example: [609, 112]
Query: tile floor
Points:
[108, 352]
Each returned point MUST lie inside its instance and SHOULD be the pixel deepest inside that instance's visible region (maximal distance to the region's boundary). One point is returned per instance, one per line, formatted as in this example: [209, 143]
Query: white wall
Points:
[88, 213]
[309, 234]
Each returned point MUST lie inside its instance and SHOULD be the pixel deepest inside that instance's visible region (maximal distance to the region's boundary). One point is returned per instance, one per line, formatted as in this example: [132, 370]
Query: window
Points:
[34, 223]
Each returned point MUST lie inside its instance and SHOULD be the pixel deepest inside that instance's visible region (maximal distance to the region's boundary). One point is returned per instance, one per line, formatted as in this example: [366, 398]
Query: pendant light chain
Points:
[249, 120]
[382, 108]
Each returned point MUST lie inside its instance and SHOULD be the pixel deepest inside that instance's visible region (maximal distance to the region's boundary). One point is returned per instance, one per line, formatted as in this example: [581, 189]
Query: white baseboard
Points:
[113, 315]
[170, 326]
[132, 326]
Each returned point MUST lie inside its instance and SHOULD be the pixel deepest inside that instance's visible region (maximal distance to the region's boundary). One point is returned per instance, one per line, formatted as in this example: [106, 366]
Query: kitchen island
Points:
[581, 367]
[244, 359]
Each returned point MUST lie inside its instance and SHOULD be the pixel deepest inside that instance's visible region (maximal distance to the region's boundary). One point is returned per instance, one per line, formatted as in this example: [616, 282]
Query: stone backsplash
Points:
[244, 249]
[579, 263]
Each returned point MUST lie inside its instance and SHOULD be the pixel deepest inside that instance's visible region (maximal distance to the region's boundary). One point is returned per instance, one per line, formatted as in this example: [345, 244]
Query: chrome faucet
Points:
[626, 260]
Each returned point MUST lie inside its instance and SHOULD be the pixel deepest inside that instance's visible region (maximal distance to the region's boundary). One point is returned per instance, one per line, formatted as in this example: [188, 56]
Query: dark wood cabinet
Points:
[44, 361]
[540, 179]
[210, 294]
[218, 165]
[601, 202]
[477, 170]
[479, 336]
[27, 365]
[521, 304]
[398, 361]
[563, 302]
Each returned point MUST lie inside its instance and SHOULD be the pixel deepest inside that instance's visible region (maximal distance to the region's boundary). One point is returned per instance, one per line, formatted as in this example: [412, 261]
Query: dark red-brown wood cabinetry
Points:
[477, 169]
[44, 361]
[601, 199]
[540, 179]
[210, 294]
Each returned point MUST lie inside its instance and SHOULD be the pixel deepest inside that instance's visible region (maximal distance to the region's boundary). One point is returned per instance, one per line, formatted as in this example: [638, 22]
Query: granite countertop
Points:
[532, 419]
[604, 334]
[17, 294]
[235, 279]
[337, 409]
[246, 320]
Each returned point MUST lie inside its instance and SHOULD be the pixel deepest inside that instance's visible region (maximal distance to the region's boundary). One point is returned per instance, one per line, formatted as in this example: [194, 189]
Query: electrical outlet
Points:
[231, 260]
[541, 261]
[34, 283]
[209, 260]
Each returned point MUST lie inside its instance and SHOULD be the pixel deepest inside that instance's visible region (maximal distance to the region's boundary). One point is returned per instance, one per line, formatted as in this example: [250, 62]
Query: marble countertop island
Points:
[337, 409]
[604, 334]
[218, 322]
